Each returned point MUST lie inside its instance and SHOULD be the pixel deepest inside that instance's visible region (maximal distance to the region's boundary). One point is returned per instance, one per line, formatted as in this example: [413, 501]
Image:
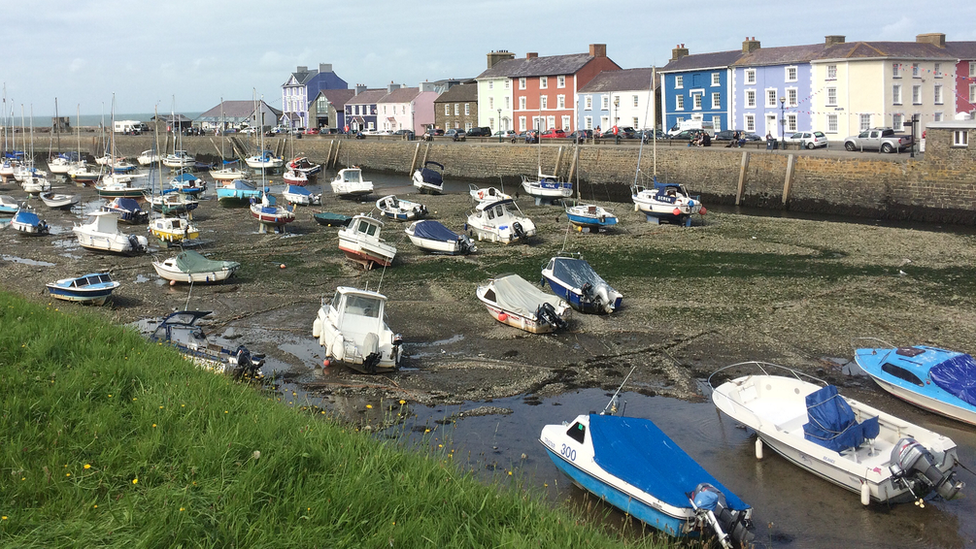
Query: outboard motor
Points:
[910, 459]
[732, 528]
[603, 296]
[371, 352]
[135, 245]
[247, 364]
[587, 290]
[518, 231]
[547, 313]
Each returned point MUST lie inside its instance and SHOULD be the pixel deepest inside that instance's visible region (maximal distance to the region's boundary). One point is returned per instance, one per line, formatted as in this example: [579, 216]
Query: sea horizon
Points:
[88, 120]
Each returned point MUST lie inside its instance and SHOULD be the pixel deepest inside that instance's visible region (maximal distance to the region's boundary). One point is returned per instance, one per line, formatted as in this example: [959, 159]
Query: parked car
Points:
[248, 131]
[581, 135]
[553, 133]
[507, 134]
[648, 135]
[312, 131]
[883, 139]
[685, 135]
[726, 135]
[408, 133]
[435, 131]
[809, 140]
[479, 131]
[456, 134]
[527, 137]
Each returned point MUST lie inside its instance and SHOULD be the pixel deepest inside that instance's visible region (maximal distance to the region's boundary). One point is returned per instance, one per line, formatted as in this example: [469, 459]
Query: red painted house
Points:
[965, 75]
[543, 89]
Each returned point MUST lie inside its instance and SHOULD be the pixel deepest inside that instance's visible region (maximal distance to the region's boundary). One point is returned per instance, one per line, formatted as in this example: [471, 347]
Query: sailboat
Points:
[179, 158]
[546, 188]
[113, 184]
[82, 174]
[264, 159]
[230, 169]
[33, 181]
[588, 217]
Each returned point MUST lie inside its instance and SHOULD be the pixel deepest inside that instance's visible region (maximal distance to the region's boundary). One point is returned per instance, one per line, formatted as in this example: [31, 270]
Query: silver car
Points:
[809, 140]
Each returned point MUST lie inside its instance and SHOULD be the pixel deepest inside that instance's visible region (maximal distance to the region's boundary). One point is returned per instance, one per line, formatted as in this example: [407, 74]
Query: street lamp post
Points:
[782, 121]
[499, 125]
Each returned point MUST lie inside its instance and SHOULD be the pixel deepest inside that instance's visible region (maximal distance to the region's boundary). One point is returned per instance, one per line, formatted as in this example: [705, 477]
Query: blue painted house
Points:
[697, 87]
[302, 87]
[361, 111]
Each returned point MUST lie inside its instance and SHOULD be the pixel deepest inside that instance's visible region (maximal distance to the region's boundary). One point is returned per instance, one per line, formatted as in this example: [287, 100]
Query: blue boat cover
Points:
[127, 204]
[184, 177]
[636, 451]
[29, 218]
[434, 230]
[832, 422]
[575, 272]
[297, 189]
[957, 376]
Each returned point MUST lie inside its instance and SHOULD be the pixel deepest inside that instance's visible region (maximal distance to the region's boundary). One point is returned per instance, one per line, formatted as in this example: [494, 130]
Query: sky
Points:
[186, 56]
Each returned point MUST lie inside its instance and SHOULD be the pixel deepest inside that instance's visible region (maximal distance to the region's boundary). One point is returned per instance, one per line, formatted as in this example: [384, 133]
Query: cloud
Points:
[898, 30]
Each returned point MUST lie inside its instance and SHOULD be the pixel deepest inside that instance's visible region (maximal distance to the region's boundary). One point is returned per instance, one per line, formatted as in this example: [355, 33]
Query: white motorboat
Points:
[500, 220]
[28, 222]
[173, 229]
[84, 175]
[353, 330]
[59, 201]
[228, 172]
[300, 195]
[434, 237]
[148, 158]
[179, 159]
[101, 232]
[264, 161]
[115, 185]
[666, 202]
[512, 300]
[855, 446]
[61, 163]
[303, 165]
[35, 185]
[480, 194]
[429, 178]
[294, 177]
[191, 266]
[399, 209]
[360, 241]
[349, 183]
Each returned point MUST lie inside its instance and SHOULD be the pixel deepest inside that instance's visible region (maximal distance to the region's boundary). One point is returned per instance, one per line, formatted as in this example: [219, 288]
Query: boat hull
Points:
[577, 301]
[199, 278]
[94, 297]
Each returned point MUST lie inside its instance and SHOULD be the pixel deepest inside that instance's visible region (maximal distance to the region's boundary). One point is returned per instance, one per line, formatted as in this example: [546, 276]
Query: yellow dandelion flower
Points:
[133, 398]
[135, 481]
[154, 425]
[3, 517]
[181, 509]
[509, 473]
[160, 407]
[67, 474]
[87, 466]
[226, 412]
[369, 406]
[402, 402]
[96, 506]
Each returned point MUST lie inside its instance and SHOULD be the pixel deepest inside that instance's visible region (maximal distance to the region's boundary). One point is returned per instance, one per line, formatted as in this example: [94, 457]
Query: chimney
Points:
[302, 69]
[532, 55]
[833, 40]
[598, 50]
[678, 52]
[496, 57]
[750, 45]
[325, 67]
[391, 87]
[360, 88]
[935, 38]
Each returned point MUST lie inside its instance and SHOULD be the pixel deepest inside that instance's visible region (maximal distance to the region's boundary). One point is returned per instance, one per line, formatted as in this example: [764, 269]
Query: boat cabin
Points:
[367, 226]
[357, 312]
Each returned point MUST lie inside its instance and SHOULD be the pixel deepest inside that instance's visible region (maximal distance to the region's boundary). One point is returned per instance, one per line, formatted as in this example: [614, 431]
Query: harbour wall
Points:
[940, 188]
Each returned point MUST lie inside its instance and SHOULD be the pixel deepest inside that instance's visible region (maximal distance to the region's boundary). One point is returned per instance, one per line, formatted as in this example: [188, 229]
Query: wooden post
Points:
[559, 157]
[743, 167]
[413, 163]
[789, 177]
[335, 159]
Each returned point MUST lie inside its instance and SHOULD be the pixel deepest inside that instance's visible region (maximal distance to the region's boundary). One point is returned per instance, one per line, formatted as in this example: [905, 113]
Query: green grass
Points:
[109, 441]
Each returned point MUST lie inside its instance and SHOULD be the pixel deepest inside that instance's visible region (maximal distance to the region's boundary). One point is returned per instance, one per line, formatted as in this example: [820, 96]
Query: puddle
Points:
[140, 278]
[15, 259]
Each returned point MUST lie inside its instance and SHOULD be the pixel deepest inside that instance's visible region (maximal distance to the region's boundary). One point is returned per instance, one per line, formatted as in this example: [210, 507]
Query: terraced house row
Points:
[836, 86]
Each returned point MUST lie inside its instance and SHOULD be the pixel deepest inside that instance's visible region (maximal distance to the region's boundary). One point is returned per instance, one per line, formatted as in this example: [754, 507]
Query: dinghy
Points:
[430, 178]
[480, 194]
[399, 209]
[353, 331]
[94, 288]
[434, 237]
[180, 330]
[191, 266]
[512, 300]
[60, 201]
[935, 379]
[573, 279]
[883, 458]
[9, 205]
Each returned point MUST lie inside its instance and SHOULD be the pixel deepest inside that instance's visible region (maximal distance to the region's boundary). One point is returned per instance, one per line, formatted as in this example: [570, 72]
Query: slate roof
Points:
[338, 98]
[896, 50]
[368, 97]
[302, 77]
[780, 56]
[538, 66]
[231, 109]
[625, 79]
[962, 50]
[400, 95]
[699, 61]
[462, 93]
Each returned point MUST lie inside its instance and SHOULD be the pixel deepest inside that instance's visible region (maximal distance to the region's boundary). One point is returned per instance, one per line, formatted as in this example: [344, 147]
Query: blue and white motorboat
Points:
[434, 237]
[590, 216]
[430, 178]
[574, 280]
[500, 220]
[269, 213]
[128, 209]
[94, 288]
[546, 188]
[9, 205]
[399, 209]
[187, 183]
[265, 160]
[180, 330]
[28, 222]
[237, 193]
[299, 195]
[631, 464]
[935, 379]
[669, 202]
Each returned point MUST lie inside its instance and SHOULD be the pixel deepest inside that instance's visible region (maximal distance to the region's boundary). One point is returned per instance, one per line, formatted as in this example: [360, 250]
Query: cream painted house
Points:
[495, 96]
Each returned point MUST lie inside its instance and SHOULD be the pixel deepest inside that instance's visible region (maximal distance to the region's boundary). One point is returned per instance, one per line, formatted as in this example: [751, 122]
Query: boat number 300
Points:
[568, 453]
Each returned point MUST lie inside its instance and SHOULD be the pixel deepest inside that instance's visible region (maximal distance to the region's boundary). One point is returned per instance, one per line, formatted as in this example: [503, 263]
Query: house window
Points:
[566, 123]
[491, 84]
[972, 93]
[447, 109]
[916, 95]
[522, 83]
[457, 109]
[561, 81]
[770, 98]
[831, 72]
[832, 123]
[522, 126]
[716, 123]
[636, 101]
[750, 76]
[865, 122]
[937, 96]
[791, 74]
[543, 82]
[937, 70]
[550, 122]
[543, 101]
[467, 109]
[960, 138]
[588, 102]
[634, 122]
[491, 102]
[896, 94]
[915, 72]
[560, 101]
[679, 102]
[521, 103]
[791, 122]
[508, 102]
[507, 84]
[751, 99]
[897, 122]
[716, 101]
[679, 81]
[716, 79]
[696, 99]
[750, 122]
[587, 122]
[937, 117]
[895, 70]
[792, 97]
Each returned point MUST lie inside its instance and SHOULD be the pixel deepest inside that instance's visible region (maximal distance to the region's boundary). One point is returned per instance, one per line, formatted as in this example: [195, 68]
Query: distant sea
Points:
[93, 120]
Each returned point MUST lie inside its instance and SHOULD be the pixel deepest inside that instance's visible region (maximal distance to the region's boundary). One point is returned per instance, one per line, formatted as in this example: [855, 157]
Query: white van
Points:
[130, 126]
[693, 124]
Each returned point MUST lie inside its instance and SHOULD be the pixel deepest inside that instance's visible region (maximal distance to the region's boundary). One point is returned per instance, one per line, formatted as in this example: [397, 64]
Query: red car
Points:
[312, 131]
[553, 133]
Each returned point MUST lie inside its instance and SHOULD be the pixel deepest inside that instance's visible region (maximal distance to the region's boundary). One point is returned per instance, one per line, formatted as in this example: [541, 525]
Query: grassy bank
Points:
[111, 442]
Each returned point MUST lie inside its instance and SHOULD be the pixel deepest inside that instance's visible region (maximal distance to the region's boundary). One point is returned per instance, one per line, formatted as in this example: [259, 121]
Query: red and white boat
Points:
[361, 242]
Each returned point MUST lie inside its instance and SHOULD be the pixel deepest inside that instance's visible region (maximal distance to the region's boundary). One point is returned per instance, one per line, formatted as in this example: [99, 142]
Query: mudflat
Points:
[728, 289]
